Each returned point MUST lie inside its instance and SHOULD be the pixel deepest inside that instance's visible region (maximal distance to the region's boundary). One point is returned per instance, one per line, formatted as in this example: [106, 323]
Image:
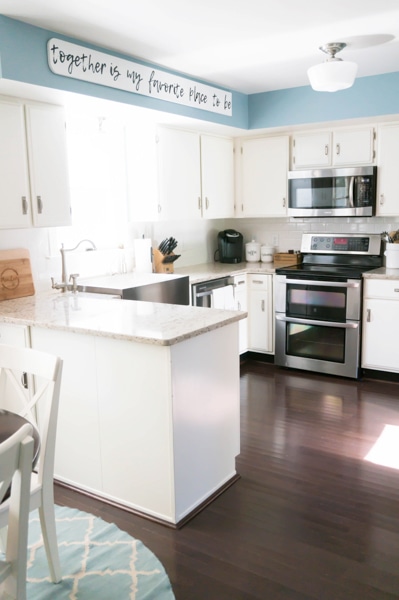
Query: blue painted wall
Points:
[23, 57]
[368, 97]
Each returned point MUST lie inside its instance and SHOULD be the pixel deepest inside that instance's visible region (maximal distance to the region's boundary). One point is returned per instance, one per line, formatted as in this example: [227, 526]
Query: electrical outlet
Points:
[275, 240]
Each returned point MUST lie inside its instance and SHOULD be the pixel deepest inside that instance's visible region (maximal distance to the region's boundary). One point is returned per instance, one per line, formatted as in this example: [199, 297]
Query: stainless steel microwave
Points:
[349, 192]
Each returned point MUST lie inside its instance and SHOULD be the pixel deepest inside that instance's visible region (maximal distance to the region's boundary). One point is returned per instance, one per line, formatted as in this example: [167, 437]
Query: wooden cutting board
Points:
[15, 274]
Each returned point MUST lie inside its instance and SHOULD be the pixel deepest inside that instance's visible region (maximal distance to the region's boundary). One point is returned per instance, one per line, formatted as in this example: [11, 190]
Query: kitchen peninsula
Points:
[149, 409]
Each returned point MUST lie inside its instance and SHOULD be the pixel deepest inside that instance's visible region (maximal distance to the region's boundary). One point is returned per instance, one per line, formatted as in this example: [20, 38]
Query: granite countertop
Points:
[95, 314]
[208, 271]
[382, 273]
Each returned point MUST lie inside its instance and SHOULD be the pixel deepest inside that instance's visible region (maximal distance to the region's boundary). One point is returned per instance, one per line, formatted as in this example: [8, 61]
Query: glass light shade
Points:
[332, 75]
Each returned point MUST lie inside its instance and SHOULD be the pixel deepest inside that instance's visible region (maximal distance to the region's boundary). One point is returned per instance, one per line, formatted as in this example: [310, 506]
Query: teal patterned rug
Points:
[98, 561]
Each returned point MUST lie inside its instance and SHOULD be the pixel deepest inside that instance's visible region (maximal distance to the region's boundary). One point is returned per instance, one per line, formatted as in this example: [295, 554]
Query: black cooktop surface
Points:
[331, 267]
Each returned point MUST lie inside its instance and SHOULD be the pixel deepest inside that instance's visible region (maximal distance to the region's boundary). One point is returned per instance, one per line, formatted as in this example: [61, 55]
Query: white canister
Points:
[392, 256]
[252, 251]
[266, 253]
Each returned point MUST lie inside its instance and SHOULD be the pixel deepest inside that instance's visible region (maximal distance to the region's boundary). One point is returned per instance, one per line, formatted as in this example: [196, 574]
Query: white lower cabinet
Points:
[241, 303]
[260, 313]
[148, 426]
[13, 335]
[381, 325]
[77, 456]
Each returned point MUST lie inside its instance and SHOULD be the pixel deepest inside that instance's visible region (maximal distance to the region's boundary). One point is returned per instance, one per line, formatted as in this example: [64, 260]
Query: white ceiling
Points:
[245, 45]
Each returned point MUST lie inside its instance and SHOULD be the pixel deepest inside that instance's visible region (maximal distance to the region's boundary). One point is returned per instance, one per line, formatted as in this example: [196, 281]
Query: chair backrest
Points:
[33, 395]
[16, 454]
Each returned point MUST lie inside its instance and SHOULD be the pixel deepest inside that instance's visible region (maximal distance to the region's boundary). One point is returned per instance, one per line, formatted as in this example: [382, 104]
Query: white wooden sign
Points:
[78, 62]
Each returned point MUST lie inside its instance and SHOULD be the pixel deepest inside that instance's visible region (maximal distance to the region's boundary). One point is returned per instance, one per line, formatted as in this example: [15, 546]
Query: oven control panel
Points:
[345, 243]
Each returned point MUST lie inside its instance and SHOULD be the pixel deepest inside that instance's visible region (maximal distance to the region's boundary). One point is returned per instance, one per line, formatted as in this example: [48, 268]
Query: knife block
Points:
[159, 266]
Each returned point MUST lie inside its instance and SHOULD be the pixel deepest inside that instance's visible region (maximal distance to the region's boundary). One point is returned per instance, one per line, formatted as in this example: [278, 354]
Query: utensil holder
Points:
[159, 266]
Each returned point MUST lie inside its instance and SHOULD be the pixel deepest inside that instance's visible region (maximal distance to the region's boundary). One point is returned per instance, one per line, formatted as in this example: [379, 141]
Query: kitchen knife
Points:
[171, 258]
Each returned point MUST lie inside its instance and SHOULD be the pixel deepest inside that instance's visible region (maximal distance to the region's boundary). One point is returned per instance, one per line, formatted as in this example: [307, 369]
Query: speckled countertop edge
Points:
[144, 322]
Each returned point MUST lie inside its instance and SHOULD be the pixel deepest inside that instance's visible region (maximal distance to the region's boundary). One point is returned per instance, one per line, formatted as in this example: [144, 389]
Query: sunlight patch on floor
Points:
[385, 451]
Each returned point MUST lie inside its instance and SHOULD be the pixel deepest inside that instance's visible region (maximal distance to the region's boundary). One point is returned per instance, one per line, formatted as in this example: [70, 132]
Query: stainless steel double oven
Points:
[318, 303]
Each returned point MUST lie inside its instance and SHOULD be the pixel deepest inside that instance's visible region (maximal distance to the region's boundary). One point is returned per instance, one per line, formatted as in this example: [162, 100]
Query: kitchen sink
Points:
[148, 287]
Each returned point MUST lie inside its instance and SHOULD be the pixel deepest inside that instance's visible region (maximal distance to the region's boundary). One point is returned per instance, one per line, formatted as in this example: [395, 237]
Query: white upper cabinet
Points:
[217, 177]
[34, 182]
[341, 147]
[14, 177]
[195, 175]
[262, 166]
[387, 177]
[48, 165]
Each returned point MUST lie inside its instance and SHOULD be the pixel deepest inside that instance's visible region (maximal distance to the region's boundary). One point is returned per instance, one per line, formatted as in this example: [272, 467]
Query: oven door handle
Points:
[344, 284]
[350, 325]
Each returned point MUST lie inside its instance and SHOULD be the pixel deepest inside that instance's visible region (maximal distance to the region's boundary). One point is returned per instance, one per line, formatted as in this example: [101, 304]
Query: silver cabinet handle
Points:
[396, 290]
[199, 203]
[159, 208]
[24, 380]
[206, 202]
[382, 199]
[368, 315]
[257, 281]
[39, 205]
[24, 205]
[326, 149]
[239, 305]
[338, 149]
[263, 306]
[283, 202]
[240, 283]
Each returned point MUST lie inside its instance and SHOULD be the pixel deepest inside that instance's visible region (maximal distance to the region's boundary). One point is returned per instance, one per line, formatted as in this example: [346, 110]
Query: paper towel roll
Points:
[143, 255]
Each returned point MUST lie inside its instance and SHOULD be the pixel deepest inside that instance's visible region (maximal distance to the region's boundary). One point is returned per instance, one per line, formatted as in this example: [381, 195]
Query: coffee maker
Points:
[230, 245]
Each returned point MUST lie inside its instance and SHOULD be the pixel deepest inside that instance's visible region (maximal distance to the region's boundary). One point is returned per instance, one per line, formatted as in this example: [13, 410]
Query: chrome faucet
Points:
[64, 286]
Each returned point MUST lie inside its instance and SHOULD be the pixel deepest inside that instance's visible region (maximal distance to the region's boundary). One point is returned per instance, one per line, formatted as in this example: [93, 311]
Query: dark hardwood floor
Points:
[310, 517]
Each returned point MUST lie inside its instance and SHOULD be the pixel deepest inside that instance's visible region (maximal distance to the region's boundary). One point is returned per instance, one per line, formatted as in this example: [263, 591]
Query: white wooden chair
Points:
[30, 386]
[16, 454]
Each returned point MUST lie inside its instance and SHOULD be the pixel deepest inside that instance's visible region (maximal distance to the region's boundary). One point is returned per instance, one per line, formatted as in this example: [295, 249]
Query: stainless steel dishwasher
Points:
[204, 293]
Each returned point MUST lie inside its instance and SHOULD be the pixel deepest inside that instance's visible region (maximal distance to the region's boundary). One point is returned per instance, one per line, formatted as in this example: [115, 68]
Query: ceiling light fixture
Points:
[334, 74]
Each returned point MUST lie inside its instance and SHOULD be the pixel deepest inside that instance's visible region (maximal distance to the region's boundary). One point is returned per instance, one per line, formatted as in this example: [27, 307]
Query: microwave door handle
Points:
[351, 191]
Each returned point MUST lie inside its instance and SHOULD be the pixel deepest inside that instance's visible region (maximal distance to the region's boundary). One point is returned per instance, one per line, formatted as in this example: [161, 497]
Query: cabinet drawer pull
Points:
[263, 306]
[338, 149]
[382, 199]
[368, 315]
[39, 205]
[396, 290]
[24, 380]
[159, 208]
[326, 149]
[24, 205]
[199, 203]
[283, 202]
[257, 281]
[206, 202]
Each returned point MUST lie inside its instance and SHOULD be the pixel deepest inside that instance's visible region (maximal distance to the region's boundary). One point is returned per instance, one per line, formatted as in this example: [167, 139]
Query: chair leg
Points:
[49, 533]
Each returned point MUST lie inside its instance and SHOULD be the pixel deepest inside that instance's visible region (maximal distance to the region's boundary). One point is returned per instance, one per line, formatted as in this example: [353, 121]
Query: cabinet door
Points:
[311, 150]
[48, 165]
[387, 180]
[260, 313]
[77, 449]
[15, 209]
[14, 335]
[217, 177]
[353, 147]
[263, 164]
[179, 174]
[241, 303]
[380, 334]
